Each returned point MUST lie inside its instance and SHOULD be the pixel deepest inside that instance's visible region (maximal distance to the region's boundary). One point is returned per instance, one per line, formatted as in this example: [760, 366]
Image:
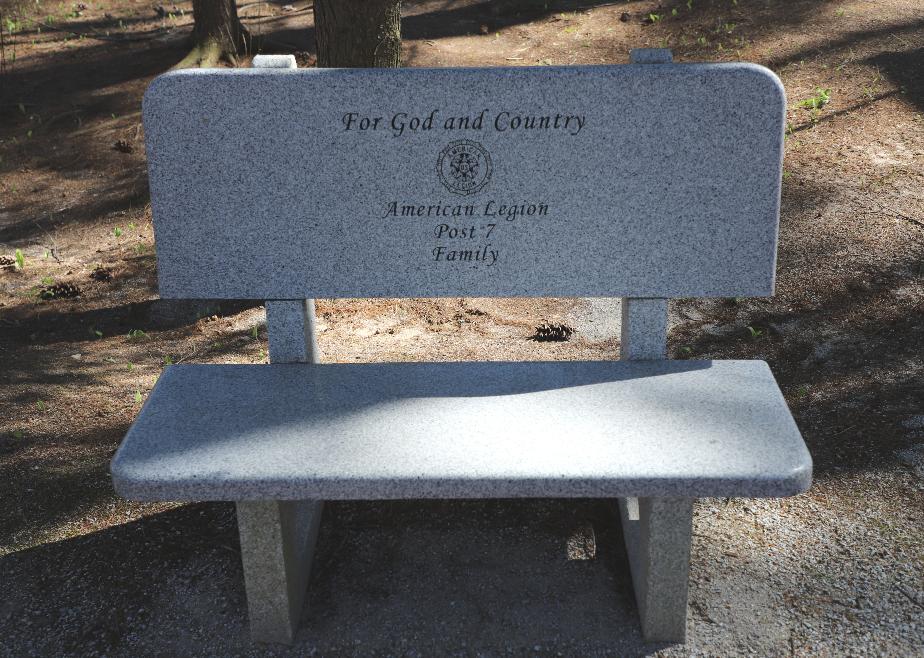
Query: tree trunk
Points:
[358, 33]
[217, 35]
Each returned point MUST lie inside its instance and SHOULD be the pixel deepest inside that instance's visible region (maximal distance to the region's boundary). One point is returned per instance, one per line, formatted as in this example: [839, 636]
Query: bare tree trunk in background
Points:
[217, 35]
[358, 33]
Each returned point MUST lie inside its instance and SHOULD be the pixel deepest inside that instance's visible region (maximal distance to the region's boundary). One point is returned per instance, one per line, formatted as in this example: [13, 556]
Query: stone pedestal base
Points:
[277, 543]
[658, 532]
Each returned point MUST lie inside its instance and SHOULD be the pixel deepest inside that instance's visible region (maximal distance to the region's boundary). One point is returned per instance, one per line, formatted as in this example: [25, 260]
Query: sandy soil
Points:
[837, 571]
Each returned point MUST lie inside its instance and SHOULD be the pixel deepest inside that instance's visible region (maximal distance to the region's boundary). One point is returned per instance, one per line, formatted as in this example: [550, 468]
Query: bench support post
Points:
[658, 533]
[277, 543]
[644, 328]
[278, 536]
[292, 334]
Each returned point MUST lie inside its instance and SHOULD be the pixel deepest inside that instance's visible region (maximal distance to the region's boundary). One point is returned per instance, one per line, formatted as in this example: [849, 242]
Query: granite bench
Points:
[646, 181]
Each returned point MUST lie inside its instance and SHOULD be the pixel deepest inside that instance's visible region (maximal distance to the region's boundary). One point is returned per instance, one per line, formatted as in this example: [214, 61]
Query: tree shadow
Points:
[61, 128]
[906, 70]
[74, 326]
[57, 491]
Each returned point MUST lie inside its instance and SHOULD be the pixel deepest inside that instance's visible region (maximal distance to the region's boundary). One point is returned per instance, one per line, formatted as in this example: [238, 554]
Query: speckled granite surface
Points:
[644, 180]
[463, 430]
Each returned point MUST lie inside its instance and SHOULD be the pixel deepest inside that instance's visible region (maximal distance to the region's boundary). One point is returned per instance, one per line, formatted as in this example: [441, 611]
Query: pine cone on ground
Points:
[7, 263]
[553, 332]
[59, 291]
[101, 273]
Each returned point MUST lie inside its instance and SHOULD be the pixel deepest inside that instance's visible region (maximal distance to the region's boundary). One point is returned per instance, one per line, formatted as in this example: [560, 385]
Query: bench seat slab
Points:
[463, 430]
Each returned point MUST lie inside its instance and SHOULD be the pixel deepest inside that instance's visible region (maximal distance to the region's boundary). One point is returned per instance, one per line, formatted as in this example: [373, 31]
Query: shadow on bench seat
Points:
[463, 430]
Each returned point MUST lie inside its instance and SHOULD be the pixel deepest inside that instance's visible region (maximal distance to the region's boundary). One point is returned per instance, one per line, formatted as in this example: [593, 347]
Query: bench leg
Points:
[277, 543]
[658, 534]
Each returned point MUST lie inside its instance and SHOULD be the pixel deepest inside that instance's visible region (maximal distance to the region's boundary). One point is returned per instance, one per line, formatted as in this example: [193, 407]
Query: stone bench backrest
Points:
[645, 180]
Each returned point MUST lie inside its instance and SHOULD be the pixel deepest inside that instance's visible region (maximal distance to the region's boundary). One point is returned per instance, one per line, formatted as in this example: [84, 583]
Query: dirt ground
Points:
[836, 571]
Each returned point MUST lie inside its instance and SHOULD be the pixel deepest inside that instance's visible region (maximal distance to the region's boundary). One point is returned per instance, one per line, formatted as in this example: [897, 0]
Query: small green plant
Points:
[686, 350]
[117, 231]
[654, 18]
[97, 333]
[17, 434]
[137, 335]
[802, 391]
[129, 366]
[821, 98]
[255, 333]
[47, 281]
[168, 361]
[20, 260]
[689, 5]
[141, 248]
[674, 11]
[138, 397]
[755, 333]
[131, 226]
[40, 405]
[702, 41]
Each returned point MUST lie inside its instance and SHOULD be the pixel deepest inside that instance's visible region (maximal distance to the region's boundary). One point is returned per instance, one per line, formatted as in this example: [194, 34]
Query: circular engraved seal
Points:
[464, 167]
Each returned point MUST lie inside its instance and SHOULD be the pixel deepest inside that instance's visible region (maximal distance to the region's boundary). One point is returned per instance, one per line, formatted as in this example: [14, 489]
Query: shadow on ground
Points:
[388, 577]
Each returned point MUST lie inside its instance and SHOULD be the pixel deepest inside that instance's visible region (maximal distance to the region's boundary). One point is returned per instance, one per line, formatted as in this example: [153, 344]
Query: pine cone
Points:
[7, 264]
[59, 291]
[553, 332]
[101, 273]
